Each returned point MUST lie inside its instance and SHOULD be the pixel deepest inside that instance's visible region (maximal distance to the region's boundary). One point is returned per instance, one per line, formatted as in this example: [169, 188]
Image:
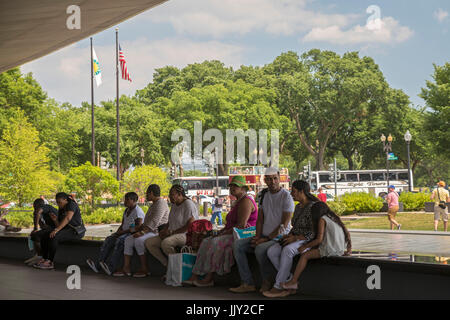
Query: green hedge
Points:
[337, 207]
[414, 201]
[360, 202]
[98, 216]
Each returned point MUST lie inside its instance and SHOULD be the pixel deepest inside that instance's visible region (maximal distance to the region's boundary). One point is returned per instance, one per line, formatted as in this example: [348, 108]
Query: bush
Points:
[414, 201]
[20, 219]
[360, 202]
[338, 207]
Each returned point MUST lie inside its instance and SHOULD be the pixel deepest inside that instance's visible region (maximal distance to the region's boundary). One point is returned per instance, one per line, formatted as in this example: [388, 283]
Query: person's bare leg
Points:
[126, 264]
[144, 268]
[301, 265]
[436, 225]
[445, 225]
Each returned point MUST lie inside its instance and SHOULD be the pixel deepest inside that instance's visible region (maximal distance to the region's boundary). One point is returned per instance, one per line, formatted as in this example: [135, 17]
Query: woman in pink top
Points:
[215, 254]
[392, 200]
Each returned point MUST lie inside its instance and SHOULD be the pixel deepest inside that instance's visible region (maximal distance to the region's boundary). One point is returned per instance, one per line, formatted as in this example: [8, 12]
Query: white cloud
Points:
[218, 18]
[441, 14]
[65, 74]
[389, 31]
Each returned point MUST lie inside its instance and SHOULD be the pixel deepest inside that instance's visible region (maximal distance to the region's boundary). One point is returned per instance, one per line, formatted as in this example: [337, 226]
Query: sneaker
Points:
[243, 288]
[46, 265]
[198, 284]
[33, 259]
[92, 265]
[105, 268]
[399, 226]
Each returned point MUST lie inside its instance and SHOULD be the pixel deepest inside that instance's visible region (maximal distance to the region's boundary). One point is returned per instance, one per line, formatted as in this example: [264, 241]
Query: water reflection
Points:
[394, 256]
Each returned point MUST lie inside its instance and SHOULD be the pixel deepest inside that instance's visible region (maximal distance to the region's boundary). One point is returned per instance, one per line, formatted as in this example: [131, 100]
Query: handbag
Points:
[79, 230]
[441, 204]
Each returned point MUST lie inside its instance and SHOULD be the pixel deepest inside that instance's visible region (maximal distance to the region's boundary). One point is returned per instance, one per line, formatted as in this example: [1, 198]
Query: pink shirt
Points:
[322, 197]
[232, 216]
[392, 199]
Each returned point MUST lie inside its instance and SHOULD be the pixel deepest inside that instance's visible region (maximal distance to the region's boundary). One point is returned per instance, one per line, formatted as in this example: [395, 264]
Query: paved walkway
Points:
[17, 281]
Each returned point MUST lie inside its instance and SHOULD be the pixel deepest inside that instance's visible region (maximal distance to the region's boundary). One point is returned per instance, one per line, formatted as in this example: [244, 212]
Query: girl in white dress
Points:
[333, 239]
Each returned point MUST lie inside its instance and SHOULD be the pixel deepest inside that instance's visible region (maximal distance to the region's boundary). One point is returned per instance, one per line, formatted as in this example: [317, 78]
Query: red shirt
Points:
[322, 197]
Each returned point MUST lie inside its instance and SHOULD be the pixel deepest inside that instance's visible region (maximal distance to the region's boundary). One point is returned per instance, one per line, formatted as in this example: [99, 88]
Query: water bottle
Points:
[132, 226]
[30, 244]
[281, 232]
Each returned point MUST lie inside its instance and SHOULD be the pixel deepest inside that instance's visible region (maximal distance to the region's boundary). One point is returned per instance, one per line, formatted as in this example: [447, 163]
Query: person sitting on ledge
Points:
[157, 215]
[112, 248]
[181, 215]
[43, 218]
[333, 239]
[215, 254]
[69, 226]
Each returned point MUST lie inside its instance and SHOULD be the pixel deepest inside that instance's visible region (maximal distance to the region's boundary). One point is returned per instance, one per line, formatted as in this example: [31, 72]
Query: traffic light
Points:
[103, 163]
[305, 172]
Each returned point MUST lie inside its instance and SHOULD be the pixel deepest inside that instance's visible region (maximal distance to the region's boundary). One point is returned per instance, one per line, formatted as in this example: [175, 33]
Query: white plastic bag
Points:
[179, 268]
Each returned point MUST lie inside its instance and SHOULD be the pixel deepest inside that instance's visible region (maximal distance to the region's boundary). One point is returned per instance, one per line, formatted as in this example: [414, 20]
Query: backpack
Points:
[218, 202]
[198, 230]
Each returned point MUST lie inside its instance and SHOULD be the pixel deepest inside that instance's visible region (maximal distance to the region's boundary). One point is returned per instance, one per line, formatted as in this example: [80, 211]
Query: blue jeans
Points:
[216, 214]
[240, 249]
[111, 251]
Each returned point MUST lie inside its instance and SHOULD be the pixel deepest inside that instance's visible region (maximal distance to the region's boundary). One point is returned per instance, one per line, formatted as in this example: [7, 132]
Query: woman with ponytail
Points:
[282, 254]
[333, 239]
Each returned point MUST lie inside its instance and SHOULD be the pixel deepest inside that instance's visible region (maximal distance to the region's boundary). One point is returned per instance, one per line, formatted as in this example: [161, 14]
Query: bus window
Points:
[403, 176]
[365, 177]
[378, 176]
[223, 183]
[392, 176]
[351, 177]
[324, 177]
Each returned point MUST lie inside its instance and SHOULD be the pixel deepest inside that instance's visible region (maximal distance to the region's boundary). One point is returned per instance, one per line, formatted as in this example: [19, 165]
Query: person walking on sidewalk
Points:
[440, 196]
[392, 200]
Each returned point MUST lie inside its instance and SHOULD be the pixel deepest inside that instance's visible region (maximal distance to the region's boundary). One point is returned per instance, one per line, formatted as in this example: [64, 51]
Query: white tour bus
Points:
[371, 181]
[194, 186]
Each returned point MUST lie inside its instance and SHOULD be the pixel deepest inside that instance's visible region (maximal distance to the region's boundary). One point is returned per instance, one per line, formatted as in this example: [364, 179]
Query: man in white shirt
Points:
[275, 210]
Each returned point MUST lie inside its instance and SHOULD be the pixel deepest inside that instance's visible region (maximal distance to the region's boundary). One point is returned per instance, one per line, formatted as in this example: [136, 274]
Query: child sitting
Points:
[333, 239]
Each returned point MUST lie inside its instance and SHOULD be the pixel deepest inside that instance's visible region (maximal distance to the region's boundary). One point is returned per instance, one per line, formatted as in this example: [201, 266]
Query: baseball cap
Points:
[238, 181]
[270, 171]
[391, 187]
[441, 183]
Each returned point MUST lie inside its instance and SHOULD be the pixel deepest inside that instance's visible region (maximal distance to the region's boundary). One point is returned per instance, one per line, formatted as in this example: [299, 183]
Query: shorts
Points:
[392, 211]
[438, 212]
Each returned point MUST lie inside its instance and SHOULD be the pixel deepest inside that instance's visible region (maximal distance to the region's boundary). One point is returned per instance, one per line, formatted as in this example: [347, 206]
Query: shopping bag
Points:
[179, 268]
[244, 233]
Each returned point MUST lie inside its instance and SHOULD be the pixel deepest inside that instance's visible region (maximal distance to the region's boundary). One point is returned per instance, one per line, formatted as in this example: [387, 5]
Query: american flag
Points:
[123, 65]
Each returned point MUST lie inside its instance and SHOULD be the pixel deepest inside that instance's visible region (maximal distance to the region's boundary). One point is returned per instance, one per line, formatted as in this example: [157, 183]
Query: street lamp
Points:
[408, 140]
[387, 147]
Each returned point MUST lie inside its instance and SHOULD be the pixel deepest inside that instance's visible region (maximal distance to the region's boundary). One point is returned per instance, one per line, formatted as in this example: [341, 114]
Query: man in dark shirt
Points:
[42, 220]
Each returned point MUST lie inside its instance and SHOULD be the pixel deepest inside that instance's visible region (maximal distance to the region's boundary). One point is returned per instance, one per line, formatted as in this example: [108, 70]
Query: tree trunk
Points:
[350, 163]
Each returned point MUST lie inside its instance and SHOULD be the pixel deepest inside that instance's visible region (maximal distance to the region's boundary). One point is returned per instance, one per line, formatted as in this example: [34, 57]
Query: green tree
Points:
[23, 162]
[92, 184]
[140, 178]
[437, 98]
[323, 91]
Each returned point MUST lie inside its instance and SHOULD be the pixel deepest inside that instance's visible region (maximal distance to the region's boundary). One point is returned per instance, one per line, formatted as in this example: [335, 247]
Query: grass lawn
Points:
[409, 221]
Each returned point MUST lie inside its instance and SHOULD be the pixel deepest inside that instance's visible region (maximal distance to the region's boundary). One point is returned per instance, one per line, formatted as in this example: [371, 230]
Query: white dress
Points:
[333, 243]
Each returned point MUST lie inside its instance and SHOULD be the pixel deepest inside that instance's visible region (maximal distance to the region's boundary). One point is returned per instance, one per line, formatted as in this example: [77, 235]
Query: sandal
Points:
[46, 265]
[141, 274]
[121, 274]
[290, 287]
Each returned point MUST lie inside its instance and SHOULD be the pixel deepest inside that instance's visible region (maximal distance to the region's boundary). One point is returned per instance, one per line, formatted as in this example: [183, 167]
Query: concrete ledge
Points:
[337, 277]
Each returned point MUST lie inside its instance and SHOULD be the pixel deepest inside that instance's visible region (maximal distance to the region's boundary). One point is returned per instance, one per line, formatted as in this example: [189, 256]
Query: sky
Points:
[404, 37]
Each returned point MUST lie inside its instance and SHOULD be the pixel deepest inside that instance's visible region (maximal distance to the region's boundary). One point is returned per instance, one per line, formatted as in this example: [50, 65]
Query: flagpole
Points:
[117, 104]
[92, 106]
